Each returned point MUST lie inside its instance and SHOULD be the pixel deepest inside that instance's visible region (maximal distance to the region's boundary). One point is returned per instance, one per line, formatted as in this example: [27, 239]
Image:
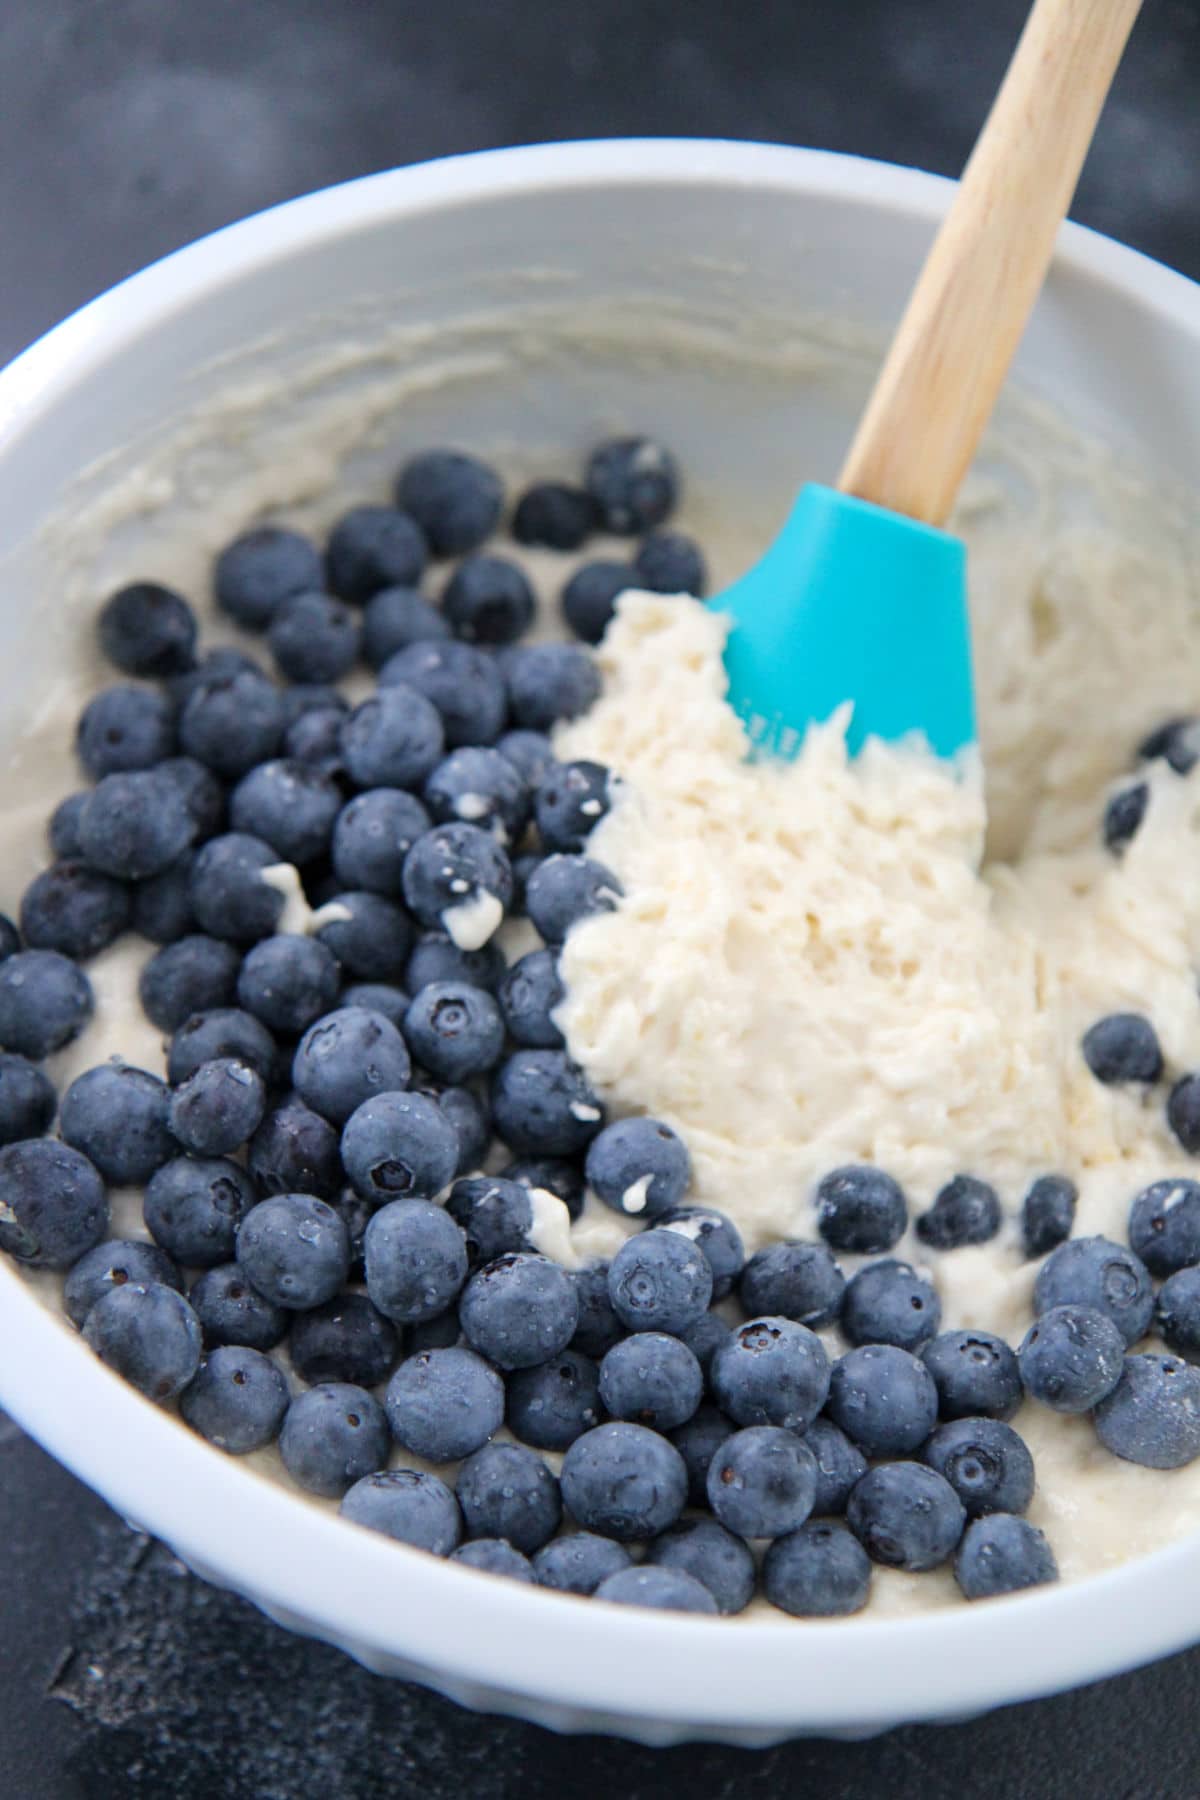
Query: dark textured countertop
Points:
[128, 127]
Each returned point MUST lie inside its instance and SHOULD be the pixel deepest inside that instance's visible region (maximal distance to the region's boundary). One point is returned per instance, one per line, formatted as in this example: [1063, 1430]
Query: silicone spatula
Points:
[862, 596]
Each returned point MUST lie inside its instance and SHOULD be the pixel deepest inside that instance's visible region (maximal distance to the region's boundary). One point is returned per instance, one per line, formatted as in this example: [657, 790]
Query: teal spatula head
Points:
[852, 603]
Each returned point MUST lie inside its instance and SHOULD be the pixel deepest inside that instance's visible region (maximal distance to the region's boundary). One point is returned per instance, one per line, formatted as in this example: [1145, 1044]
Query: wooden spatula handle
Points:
[966, 314]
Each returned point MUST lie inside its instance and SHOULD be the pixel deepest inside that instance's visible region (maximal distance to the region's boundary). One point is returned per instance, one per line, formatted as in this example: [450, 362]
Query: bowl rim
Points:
[381, 1600]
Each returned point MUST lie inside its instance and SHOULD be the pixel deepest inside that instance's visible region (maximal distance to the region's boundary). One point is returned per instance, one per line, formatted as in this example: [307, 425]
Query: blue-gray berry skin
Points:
[1048, 1214]
[553, 1403]
[378, 996]
[1152, 1416]
[236, 1399]
[543, 1104]
[906, 1516]
[442, 1333]
[624, 1481]
[488, 600]
[62, 830]
[705, 1338]
[219, 1108]
[494, 1556]
[578, 1561]
[125, 727]
[1123, 815]
[399, 1146]
[193, 1207]
[346, 1339]
[1070, 1358]
[793, 1281]
[444, 1404]
[333, 1435]
[528, 995]
[416, 1260]
[372, 835]
[436, 957]
[556, 1174]
[1177, 1317]
[549, 682]
[495, 1215]
[409, 1505]
[697, 1442]
[976, 1375]
[1122, 1047]
[295, 1250]
[202, 793]
[462, 682]
[315, 738]
[817, 1572]
[230, 1311]
[479, 786]
[860, 1210]
[530, 752]
[599, 1327]
[589, 598]
[214, 665]
[261, 569]
[10, 938]
[638, 1167]
[884, 1400]
[303, 697]
[346, 1058]
[295, 1151]
[45, 1002]
[652, 1378]
[454, 1030]
[554, 514]
[669, 562]
[111, 1265]
[134, 824]
[161, 907]
[471, 1118]
[1002, 1554]
[289, 805]
[840, 1465]
[664, 1590]
[372, 548]
[289, 982]
[149, 1334]
[762, 1482]
[455, 499]
[229, 897]
[890, 1302]
[563, 890]
[147, 629]
[53, 1207]
[231, 723]
[393, 739]
[1164, 1226]
[74, 909]
[314, 638]
[396, 617]
[712, 1555]
[505, 1490]
[1096, 1272]
[570, 802]
[634, 482]
[453, 867]
[194, 974]
[371, 937]
[519, 1311]
[771, 1371]
[27, 1099]
[966, 1211]
[659, 1281]
[985, 1462]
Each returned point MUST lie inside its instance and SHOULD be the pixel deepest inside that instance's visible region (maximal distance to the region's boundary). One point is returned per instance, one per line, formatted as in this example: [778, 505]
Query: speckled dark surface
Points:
[128, 127]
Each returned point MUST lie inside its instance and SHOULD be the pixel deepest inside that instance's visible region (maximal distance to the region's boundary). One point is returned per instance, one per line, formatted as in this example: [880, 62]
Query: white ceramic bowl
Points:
[540, 296]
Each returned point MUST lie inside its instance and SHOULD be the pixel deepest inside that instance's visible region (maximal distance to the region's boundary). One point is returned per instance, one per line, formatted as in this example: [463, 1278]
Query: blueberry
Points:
[549, 682]
[552, 1403]
[543, 1104]
[202, 793]
[370, 936]
[889, 1302]
[1095, 1272]
[716, 1235]
[819, 1571]
[1164, 1226]
[906, 1516]
[230, 1311]
[598, 1328]
[232, 723]
[793, 1281]
[373, 835]
[27, 1099]
[125, 727]
[194, 974]
[193, 1208]
[396, 617]
[315, 738]
[295, 1250]
[457, 878]
[409, 1505]
[110, 1265]
[665, 1590]
[236, 1399]
[975, 1373]
[528, 996]
[1183, 1112]
[1122, 1047]
[519, 1310]
[214, 665]
[380, 997]
[290, 806]
[295, 1150]
[555, 515]
[590, 597]
[454, 1030]
[117, 1117]
[479, 786]
[223, 1031]
[1152, 1416]
[884, 1400]
[261, 569]
[566, 889]
[1123, 814]
[508, 1492]
[570, 802]
[966, 1211]
[147, 1333]
[444, 1404]
[300, 698]
[373, 548]
[697, 1441]
[229, 897]
[659, 1281]
[62, 832]
[218, 1109]
[436, 957]
[488, 600]
[986, 1464]
[333, 1435]
[1175, 741]
[1071, 1358]
[162, 906]
[442, 1333]
[669, 562]
[464, 683]
[651, 1378]
[1048, 1214]
[495, 1215]
[705, 1338]
[771, 1372]
[840, 1464]
[288, 982]
[1002, 1554]
[148, 630]
[472, 1125]
[639, 1167]
[134, 824]
[394, 739]
[455, 498]
[861, 1210]
[314, 638]
[45, 1002]
[416, 1261]
[494, 1556]
[74, 910]
[1178, 1313]
[346, 1339]
[624, 1481]
[634, 483]
[399, 1146]
[554, 1174]
[54, 1203]
[10, 938]
[578, 1562]
[348, 1057]
[762, 1482]
[712, 1555]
